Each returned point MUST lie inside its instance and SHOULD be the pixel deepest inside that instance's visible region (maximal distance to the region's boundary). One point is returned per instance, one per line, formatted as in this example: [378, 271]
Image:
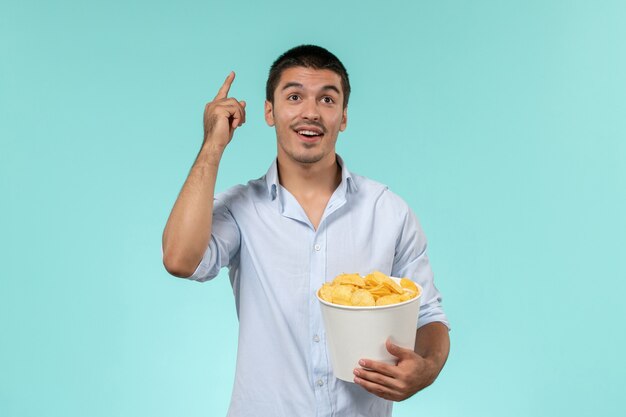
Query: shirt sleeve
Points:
[411, 261]
[223, 245]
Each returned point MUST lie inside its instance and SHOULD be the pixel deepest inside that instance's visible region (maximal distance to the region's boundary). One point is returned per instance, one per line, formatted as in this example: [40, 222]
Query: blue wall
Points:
[501, 123]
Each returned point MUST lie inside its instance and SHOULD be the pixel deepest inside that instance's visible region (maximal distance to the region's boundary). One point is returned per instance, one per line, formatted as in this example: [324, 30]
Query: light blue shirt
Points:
[277, 261]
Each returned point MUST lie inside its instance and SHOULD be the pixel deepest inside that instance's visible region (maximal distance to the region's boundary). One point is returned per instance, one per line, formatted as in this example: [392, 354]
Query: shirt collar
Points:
[271, 178]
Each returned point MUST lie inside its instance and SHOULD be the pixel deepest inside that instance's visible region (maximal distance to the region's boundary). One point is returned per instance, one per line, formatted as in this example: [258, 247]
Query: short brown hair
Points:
[309, 56]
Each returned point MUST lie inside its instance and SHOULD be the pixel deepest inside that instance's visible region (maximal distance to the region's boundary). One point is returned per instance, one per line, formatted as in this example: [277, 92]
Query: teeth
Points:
[308, 132]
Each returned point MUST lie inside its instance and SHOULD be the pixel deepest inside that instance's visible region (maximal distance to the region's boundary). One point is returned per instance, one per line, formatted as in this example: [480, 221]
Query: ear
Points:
[269, 113]
[344, 120]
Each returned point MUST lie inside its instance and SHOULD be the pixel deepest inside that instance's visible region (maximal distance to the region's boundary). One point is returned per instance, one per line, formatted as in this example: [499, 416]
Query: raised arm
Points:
[188, 228]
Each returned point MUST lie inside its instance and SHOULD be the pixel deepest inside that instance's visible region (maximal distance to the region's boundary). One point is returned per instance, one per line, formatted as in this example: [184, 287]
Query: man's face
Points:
[308, 114]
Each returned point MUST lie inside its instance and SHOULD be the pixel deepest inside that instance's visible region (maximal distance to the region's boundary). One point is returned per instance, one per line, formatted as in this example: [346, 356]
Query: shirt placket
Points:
[320, 366]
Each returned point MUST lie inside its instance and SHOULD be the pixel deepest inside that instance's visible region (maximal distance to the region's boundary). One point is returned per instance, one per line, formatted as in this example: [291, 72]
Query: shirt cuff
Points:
[206, 269]
[432, 314]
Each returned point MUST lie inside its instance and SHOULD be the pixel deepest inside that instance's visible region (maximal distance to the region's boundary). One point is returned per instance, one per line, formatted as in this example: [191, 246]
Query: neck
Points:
[322, 177]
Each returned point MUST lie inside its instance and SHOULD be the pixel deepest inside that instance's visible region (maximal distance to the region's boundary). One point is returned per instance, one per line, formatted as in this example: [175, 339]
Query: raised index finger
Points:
[223, 92]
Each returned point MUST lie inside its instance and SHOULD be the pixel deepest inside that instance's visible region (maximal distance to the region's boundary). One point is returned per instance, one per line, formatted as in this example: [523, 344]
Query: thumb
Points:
[243, 104]
[397, 351]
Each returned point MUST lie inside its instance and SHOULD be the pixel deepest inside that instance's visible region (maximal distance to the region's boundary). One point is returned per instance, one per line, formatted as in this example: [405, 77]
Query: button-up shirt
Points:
[277, 261]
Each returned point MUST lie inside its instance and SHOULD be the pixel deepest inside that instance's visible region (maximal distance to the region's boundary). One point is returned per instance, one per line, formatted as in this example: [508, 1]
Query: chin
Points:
[307, 159]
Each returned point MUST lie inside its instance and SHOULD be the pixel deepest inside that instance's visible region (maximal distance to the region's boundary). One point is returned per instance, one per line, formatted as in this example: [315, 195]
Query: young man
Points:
[283, 235]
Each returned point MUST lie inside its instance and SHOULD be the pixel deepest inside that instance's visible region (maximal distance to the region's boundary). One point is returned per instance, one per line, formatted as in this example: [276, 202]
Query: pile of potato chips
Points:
[375, 289]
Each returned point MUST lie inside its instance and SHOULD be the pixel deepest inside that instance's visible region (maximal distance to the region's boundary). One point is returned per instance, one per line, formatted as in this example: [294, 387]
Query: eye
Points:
[328, 100]
[293, 97]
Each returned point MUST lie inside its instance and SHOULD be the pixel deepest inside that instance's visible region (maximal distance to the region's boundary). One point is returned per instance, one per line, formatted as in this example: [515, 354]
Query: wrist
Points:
[431, 370]
[211, 152]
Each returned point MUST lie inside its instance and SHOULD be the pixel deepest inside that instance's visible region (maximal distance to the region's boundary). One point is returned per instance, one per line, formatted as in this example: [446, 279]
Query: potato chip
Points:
[389, 299]
[377, 288]
[326, 292]
[373, 280]
[407, 295]
[362, 298]
[342, 294]
[378, 294]
[380, 278]
[408, 284]
[353, 279]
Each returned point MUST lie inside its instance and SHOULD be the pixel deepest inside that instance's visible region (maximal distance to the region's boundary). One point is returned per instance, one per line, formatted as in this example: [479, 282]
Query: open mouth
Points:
[309, 134]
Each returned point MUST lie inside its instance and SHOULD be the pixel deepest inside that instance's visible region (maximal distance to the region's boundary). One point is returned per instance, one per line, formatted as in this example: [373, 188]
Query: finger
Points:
[235, 123]
[237, 118]
[399, 352]
[380, 367]
[375, 389]
[223, 91]
[242, 106]
[232, 106]
[232, 109]
[229, 110]
[232, 103]
[242, 114]
[378, 378]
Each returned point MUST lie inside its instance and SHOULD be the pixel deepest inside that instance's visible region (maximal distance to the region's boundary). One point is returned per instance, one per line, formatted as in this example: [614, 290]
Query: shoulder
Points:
[381, 195]
[242, 194]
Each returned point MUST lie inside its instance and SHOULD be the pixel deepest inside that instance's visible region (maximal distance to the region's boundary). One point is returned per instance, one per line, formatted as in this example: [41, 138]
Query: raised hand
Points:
[223, 115]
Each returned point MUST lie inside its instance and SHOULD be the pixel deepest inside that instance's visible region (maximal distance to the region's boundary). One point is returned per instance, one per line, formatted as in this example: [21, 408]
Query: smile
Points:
[309, 134]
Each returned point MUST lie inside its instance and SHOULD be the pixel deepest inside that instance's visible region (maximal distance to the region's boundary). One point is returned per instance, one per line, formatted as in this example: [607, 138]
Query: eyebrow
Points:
[326, 87]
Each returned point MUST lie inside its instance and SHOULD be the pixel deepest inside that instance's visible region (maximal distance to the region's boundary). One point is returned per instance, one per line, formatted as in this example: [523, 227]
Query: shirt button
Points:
[320, 382]
[318, 247]
[316, 338]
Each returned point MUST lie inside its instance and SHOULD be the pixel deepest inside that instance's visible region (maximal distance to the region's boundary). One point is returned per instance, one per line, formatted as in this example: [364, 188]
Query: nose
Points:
[310, 110]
